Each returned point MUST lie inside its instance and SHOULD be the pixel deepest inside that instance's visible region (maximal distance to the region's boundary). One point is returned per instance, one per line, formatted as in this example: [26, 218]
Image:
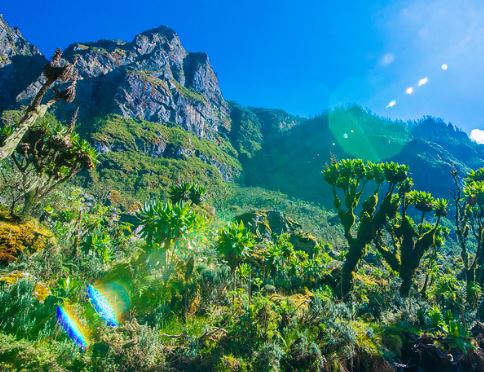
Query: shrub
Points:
[22, 238]
[21, 313]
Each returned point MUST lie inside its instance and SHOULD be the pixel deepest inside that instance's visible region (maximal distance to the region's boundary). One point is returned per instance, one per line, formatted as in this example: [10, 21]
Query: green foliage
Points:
[423, 201]
[48, 155]
[142, 160]
[229, 299]
[187, 192]
[449, 293]
[456, 331]
[21, 313]
[287, 268]
[188, 93]
[235, 243]
[16, 355]
[348, 179]
[407, 242]
[474, 186]
[132, 347]
[100, 245]
[469, 226]
[164, 222]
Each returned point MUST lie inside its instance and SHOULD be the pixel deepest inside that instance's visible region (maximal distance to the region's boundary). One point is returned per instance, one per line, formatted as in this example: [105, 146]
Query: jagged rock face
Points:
[151, 78]
[20, 64]
[13, 44]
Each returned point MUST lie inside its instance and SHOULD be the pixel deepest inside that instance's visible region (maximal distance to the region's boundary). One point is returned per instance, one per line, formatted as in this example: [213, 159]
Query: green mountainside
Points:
[163, 228]
[291, 160]
[277, 151]
[139, 160]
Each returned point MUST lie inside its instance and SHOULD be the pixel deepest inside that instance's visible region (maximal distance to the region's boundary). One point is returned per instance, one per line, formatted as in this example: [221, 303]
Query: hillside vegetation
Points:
[162, 228]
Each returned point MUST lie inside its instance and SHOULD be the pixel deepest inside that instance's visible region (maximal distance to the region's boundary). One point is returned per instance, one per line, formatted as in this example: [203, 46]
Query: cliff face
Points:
[154, 80]
[20, 64]
[151, 78]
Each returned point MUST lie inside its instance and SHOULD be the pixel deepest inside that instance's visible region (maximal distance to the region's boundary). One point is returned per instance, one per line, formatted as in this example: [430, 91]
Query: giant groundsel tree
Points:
[408, 241]
[469, 223]
[351, 180]
[372, 201]
[48, 155]
[164, 223]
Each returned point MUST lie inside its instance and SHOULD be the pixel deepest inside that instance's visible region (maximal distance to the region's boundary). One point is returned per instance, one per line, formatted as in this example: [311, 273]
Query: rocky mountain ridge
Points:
[154, 79]
[151, 78]
[20, 64]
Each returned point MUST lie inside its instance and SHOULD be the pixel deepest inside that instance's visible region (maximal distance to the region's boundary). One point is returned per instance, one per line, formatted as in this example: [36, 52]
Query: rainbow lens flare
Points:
[69, 322]
[102, 306]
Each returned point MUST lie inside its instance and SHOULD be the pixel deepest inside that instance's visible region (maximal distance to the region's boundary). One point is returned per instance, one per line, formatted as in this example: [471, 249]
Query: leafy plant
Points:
[469, 223]
[235, 243]
[165, 223]
[349, 180]
[187, 192]
[48, 155]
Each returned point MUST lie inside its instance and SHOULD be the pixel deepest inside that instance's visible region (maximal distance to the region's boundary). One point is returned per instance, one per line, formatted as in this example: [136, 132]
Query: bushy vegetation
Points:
[142, 160]
[210, 276]
[289, 159]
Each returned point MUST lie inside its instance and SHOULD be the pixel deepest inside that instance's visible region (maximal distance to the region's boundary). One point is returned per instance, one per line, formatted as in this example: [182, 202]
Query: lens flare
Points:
[423, 81]
[444, 67]
[102, 306]
[71, 325]
[409, 91]
[391, 104]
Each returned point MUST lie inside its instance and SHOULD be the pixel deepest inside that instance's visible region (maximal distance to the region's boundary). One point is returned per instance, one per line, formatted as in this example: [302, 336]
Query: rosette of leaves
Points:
[164, 223]
[187, 192]
[235, 243]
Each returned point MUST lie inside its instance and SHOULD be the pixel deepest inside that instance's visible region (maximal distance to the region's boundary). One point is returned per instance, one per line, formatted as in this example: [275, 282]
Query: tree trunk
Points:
[29, 119]
[354, 255]
[406, 274]
[29, 204]
[36, 109]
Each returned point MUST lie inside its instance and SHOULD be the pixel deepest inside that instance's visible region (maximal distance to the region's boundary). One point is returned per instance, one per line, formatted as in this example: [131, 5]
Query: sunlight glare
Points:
[423, 81]
[391, 104]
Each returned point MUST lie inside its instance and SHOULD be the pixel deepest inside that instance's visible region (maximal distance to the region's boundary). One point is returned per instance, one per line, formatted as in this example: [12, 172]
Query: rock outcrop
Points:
[152, 78]
[20, 64]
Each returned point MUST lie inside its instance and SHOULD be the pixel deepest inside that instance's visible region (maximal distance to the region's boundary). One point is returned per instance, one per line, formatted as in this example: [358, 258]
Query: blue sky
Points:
[302, 56]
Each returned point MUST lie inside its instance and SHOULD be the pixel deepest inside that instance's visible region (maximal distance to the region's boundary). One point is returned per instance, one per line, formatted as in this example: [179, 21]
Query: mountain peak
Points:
[160, 31]
[12, 43]
[152, 78]
[20, 63]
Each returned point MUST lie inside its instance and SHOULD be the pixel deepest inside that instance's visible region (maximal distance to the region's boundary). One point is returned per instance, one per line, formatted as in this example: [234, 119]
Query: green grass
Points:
[310, 216]
[188, 93]
[147, 77]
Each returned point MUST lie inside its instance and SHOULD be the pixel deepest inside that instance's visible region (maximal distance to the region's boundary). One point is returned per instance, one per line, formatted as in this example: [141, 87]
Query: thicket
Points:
[190, 286]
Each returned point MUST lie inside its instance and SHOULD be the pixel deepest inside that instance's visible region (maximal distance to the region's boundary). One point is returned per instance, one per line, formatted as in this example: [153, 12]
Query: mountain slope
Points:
[156, 114]
[20, 64]
[141, 159]
[291, 161]
[150, 78]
